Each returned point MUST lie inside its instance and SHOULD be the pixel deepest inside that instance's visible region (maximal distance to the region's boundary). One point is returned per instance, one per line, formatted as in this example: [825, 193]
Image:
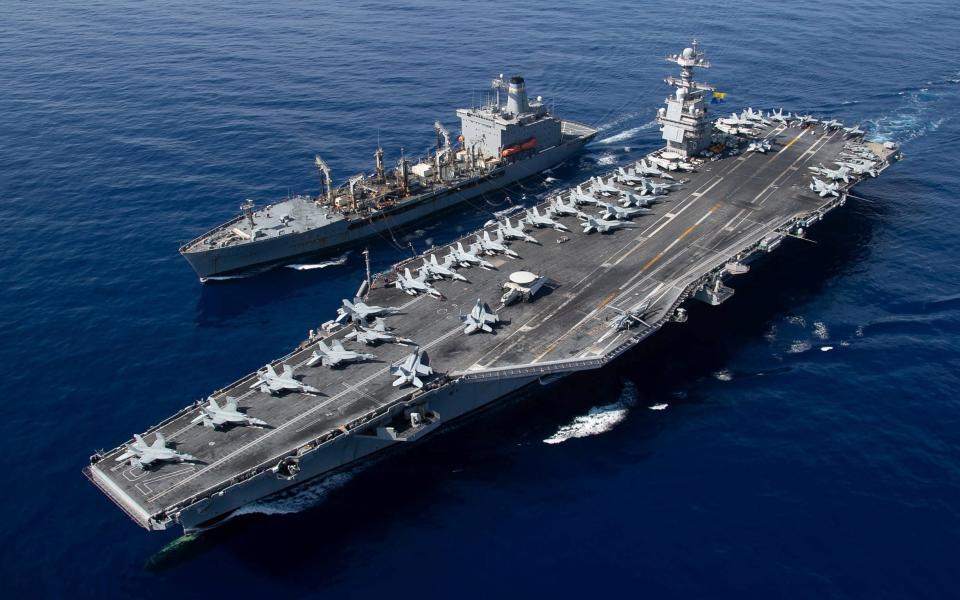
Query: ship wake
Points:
[336, 262]
[599, 419]
[297, 499]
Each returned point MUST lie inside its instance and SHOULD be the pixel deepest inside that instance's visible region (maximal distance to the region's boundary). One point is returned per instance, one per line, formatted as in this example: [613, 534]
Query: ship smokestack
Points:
[517, 96]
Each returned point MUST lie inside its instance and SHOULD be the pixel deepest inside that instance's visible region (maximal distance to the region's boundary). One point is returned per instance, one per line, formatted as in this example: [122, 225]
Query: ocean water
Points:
[810, 446]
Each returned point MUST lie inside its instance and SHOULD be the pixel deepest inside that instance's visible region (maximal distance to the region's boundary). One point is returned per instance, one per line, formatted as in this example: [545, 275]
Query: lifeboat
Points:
[517, 148]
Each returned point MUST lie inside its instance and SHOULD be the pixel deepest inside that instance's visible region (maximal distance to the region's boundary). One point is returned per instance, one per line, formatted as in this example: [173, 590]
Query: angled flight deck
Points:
[729, 211]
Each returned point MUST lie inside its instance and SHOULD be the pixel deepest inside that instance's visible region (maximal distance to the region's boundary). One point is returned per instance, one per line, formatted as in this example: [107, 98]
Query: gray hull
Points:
[244, 257]
[452, 403]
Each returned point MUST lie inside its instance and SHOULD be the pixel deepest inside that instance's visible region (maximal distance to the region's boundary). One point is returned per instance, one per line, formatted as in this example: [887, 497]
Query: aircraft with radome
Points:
[214, 416]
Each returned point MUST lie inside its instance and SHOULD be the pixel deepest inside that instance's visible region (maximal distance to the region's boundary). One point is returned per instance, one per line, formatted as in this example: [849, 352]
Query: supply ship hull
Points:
[730, 212]
[223, 261]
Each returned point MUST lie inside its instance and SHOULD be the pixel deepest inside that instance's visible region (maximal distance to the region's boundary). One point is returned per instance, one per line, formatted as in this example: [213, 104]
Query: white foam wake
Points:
[320, 265]
[598, 419]
[628, 134]
[298, 499]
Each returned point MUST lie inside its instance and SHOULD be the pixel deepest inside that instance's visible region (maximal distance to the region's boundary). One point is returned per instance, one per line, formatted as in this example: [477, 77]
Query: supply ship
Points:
[582, 278]
[499, 145]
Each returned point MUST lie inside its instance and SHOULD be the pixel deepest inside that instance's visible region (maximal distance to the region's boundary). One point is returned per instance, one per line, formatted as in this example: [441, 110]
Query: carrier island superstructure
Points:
[499, 144]
[584, 277]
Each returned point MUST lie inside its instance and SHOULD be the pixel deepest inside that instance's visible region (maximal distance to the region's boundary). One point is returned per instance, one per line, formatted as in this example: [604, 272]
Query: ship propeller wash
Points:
[581, 300]
[500, 144]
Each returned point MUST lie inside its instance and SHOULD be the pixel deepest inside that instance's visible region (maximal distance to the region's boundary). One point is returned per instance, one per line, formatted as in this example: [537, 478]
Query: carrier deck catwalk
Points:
[730, 211]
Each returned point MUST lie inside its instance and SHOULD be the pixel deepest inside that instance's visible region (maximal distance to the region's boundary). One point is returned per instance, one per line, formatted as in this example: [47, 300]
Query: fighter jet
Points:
[612, 212]
[436, 270]
[375, 335]
[597, 185]
[408, 372]
[663, 163]
[466, 258]
[582, 198]
[515, 233]
[779, 117]
[139, 453]
[761, 146]
[755, 116]
[650, 170]
[408, 284]
[855, 130]
[831, 124]
[860, 168]
[490, 246]
[271, 383]
[336, 355]
[803, 120]
[639, 201]
[824, 189]
[736, 120]
[537, 220]
[214, 416]
[650, 188]
[479, 319]
[628, 178]
[833, 174]
[591, 225]
[558, 208]
[362, 312]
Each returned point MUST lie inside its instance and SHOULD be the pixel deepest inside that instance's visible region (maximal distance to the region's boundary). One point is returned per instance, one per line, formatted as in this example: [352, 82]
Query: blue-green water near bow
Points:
[780, 469]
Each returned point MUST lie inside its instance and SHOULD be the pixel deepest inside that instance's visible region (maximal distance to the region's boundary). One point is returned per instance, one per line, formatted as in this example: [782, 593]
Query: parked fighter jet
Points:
[639, 201]
[336, 355]
[650, 170]
[214, 416]
[761, 146]
[803, 120]
[831, 124]
[779, 117]
[824, 189]
[537, 220]
[597, 185]
[408, 284]
[650, 188]
[408, 372]
[755, 116]
[855, 130]
[628, 178]
[362, 312]
[467, 258]
[274, 384]
[612, 212]
[479, 319]
[377, 334]
[515, 233]
[861, 168]
[582, 198]
[736, 120]
[833, 174]
[139, 453]
[559, 209]
[591, 225]
[490, 246]
[437, 270]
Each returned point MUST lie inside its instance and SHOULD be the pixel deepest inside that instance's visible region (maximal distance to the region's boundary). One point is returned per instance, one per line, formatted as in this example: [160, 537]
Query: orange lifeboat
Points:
[517, 148]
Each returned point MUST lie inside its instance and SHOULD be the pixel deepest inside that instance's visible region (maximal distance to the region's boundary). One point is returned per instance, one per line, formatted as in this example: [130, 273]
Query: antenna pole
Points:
[366, 259]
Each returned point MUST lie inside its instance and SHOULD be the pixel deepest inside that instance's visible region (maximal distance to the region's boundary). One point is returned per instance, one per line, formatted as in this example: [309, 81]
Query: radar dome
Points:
[687, 53]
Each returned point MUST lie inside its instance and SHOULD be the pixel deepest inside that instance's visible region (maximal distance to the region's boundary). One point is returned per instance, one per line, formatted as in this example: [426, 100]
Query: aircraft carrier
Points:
[500, 144]
[567, 301]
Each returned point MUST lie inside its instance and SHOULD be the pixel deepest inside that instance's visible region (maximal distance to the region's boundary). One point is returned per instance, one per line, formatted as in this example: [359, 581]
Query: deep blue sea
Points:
[780, 469]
